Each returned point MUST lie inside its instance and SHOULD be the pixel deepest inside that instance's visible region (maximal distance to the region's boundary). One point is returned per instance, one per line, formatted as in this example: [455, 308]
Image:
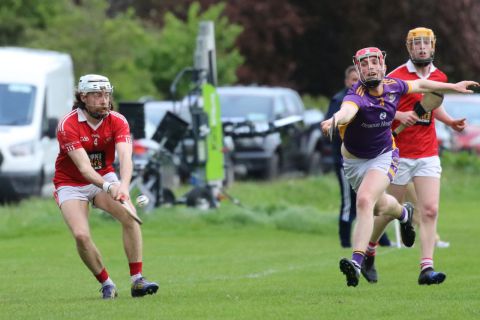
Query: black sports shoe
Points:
[368, 269]
[429, 276]
[352, 272]
[109, 291]
[406, 229]
[142, 287]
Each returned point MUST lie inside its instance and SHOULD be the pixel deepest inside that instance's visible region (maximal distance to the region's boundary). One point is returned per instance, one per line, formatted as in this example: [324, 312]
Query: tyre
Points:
[168, 198]
[314, 165]
[200, 198]
[273, 167]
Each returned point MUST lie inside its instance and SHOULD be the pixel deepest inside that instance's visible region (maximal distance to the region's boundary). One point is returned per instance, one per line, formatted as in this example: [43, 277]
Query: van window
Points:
[16, 104]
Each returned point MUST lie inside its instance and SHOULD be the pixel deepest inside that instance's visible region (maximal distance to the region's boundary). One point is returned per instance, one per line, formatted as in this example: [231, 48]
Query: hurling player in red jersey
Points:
[419, 160]
[88, 137]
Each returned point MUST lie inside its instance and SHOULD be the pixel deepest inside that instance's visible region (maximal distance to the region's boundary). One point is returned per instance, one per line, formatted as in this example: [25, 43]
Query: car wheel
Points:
[273, 167]
[39, 184]
[168, 198]
[200, 198]
[314, 165]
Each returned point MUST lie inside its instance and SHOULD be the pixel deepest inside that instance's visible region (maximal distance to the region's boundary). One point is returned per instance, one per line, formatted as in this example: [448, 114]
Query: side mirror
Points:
[51, 130]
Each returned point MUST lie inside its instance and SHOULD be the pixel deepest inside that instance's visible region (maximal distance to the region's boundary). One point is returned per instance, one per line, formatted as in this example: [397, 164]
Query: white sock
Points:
[135, 277]
[108, 282]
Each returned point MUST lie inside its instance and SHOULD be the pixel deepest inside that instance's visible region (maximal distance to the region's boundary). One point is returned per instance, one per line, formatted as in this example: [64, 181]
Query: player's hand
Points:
[114, 189]
[458, 124]
[408, 118]
[123, 193]
[326, 125]
[462, 86]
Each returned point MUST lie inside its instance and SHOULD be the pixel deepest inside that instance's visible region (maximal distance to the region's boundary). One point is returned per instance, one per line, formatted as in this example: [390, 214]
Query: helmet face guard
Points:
[421, 46]
[94, 83]
[370, 65]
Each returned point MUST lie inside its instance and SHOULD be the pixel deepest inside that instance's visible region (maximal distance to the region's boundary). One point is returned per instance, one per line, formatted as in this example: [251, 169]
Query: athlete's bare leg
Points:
[132, 234]
[75, 213]
[371, 198]
[428, 195]
[381, 221]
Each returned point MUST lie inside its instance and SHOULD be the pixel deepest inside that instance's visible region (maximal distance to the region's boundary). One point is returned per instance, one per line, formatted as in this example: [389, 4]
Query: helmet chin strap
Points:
[422, 63]
[372, 83]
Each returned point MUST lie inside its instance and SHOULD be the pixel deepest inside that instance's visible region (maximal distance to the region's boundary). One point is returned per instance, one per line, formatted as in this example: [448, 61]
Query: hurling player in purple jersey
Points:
[368, 149]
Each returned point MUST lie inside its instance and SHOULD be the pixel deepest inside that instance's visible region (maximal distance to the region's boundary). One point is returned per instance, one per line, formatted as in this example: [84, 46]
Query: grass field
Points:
[275, 259]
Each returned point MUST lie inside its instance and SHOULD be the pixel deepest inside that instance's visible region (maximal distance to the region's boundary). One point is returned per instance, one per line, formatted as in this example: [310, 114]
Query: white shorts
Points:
[85, 193]
[355, 169]
[421, 167]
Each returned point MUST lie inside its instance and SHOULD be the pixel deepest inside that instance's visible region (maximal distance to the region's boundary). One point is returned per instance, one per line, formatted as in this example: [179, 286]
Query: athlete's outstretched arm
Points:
[423, 86]
[347, 112]
[456, 124]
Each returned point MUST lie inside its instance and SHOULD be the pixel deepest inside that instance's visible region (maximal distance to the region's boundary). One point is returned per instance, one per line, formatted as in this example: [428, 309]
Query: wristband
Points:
[106, 186]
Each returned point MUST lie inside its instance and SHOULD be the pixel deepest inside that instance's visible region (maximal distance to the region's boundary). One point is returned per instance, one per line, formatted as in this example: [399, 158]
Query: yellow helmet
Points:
[420, 34]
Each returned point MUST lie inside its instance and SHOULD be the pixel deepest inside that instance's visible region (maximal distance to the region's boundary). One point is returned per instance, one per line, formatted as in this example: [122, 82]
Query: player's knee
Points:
[83, 239]
[364, 202]
[128, 222]
[430, 211]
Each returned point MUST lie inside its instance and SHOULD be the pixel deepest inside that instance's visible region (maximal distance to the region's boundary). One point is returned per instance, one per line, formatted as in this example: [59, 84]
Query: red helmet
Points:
[370, 81]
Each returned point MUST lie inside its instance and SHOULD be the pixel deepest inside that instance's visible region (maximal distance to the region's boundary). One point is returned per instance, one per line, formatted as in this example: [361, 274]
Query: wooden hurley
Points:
[429, 102]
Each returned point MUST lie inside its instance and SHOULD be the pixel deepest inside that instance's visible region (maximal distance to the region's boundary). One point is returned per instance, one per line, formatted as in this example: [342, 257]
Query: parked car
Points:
[444, 136]
[269, 131]
[465, 106]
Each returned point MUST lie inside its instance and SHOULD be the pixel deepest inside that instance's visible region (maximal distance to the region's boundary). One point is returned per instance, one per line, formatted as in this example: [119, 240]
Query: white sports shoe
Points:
[442, 244]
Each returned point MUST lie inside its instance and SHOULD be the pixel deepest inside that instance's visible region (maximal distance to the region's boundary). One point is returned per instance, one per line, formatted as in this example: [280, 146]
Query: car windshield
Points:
[16, 104]
[464, 109]
[254, 108]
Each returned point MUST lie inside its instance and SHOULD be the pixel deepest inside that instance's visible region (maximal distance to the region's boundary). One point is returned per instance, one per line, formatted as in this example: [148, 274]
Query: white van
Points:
[36, 90]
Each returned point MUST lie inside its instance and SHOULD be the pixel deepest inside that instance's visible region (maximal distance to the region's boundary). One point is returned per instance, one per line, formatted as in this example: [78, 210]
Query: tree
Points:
[17, 16]
[118, 47]
[177, 45]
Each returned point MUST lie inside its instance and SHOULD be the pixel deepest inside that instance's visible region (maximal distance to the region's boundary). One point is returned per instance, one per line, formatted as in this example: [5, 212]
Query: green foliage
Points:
[462, 161]
[118, 47]
[18, 16]
[316, 102]
[139, 59]
[176, 48]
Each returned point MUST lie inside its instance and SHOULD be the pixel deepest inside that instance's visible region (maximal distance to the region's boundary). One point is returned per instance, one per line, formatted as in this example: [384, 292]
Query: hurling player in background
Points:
[419, 161]
[88, 137]
[369, 151]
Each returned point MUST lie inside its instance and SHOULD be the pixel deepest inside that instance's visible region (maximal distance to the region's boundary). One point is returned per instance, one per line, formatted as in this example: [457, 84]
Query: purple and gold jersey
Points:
[369, 134]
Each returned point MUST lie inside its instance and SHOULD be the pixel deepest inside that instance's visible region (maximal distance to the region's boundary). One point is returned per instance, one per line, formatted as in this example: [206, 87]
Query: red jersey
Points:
[74, 132]
[419, 140]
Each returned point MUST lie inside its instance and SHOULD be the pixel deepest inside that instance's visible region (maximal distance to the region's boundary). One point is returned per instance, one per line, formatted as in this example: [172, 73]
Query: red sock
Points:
[426, 263]
[135, 268]
[102, 276]
[371, 249]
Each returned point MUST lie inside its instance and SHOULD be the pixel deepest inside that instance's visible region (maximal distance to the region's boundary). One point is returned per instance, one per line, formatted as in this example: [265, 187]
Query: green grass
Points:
[275, 258]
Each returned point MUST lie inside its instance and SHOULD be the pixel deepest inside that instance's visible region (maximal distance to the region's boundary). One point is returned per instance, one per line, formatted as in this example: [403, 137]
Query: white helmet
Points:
[94, 83]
